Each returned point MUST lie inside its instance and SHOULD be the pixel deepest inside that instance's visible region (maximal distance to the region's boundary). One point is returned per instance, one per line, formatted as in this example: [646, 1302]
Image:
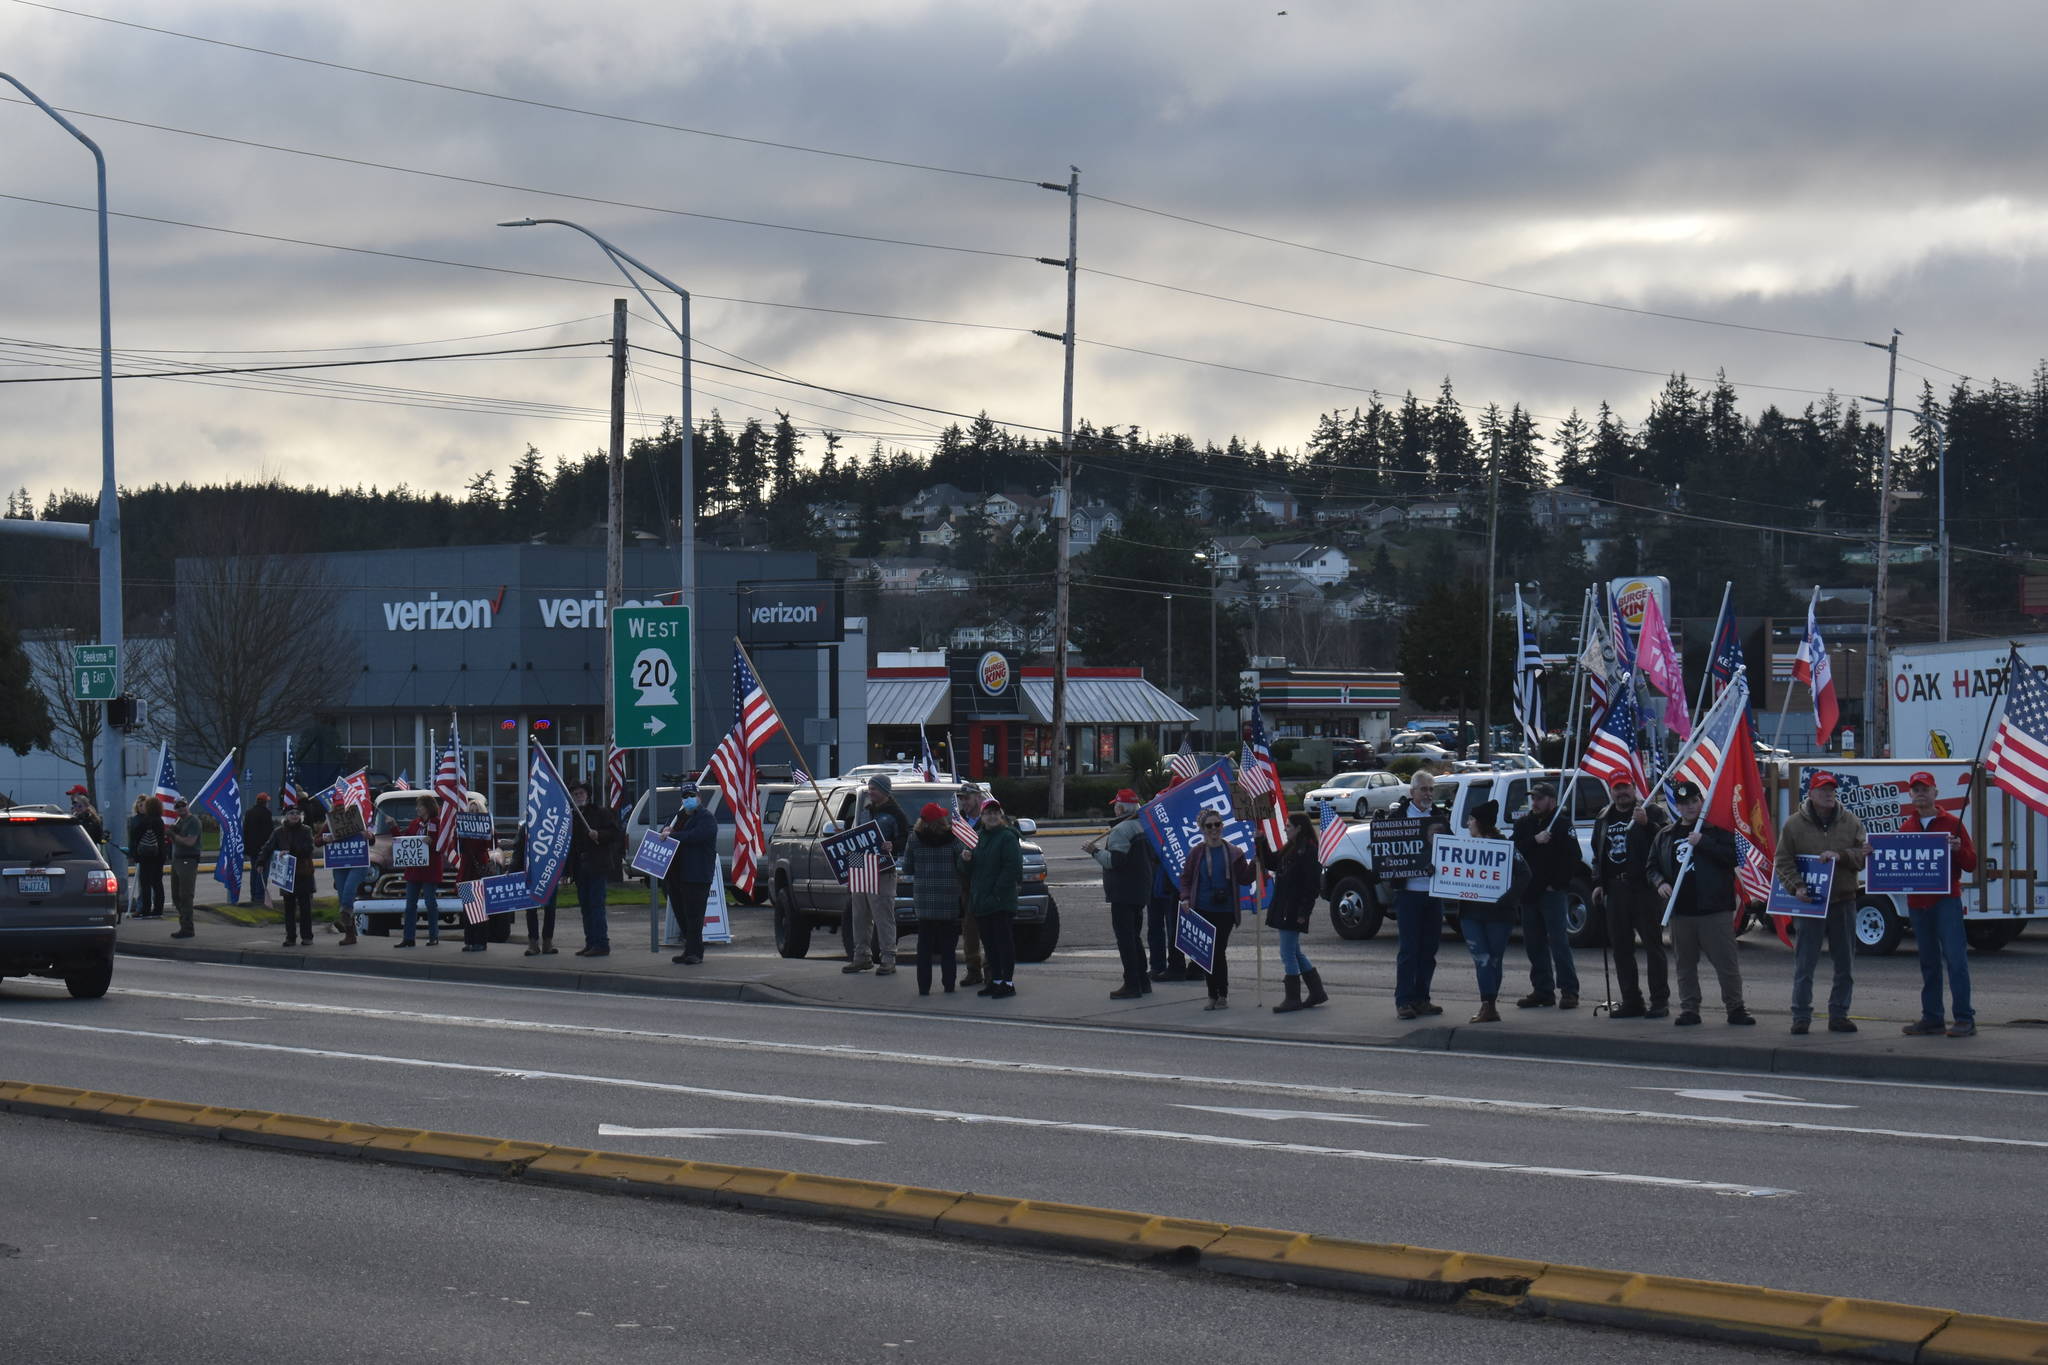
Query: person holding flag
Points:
[967, 829]
[1208, 885]
[1297, 885]
[1418, 916]
[1821, 828]
[146, 840]
[1259, 777]
[688, 882]
[1622, 836]
[1126, 857]
[874, 908]
[1692, 868]
[1546, 837]
[594, 844]
[257, 825]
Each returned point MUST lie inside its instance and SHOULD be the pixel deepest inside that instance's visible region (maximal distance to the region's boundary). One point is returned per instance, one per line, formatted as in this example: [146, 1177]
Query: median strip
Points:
[1864, 1328]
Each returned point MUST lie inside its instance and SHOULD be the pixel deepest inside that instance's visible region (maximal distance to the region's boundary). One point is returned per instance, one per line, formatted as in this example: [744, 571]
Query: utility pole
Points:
[1486, 617]
[1874, 708]
[615, 522]
[1063, 509]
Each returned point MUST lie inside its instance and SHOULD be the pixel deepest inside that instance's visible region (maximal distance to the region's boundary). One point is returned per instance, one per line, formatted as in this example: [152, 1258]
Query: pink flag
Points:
[1659, 662]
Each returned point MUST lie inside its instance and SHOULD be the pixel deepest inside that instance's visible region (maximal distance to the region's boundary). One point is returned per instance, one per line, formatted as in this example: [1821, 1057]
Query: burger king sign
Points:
[993, 673]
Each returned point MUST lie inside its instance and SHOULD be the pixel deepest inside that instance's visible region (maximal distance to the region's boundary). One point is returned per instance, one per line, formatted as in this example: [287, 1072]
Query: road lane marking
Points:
[929, 1019]
[1275, 1115]
[1745, 1097]
[939, 1115]
[1540, 1108]
[619, 1130]
[217, 1018]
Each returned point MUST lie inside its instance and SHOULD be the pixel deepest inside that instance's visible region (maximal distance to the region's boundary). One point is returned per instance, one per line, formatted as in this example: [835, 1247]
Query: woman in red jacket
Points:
[427, 879]
[1938, 920]
[472, 862]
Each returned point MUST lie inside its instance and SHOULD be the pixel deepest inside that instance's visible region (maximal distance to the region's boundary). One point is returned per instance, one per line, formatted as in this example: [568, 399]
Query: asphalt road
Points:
[1884, 1189]
[122, 1246]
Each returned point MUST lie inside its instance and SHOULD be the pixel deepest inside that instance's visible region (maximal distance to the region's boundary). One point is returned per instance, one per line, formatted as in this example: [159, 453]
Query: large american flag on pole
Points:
[448, 787]
[1611, 754]
[2018, 761]
[1710, 744]
[166, 789]
[288, 787]
[614, 777]
[1259, 776]
[1528, 677]
[754, 722]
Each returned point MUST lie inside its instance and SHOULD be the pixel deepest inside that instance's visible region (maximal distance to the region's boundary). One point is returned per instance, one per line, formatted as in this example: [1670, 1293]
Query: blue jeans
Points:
[590, 896]
[412, 910]
[1938, 934]
[1419, 923]
[347, 882]
[1159, 916]
[1487, 941]
[1293, 961]
[1839, 931]
[1549, 944]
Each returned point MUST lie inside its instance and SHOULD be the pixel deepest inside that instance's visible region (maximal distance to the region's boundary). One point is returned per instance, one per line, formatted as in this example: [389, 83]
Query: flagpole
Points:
[780, 728]
[1699, 707]
[1577, 722]
[1977, 765]
[1713, 790]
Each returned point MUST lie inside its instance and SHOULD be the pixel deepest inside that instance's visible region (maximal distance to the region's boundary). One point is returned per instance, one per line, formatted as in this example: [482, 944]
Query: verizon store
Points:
[510, 640]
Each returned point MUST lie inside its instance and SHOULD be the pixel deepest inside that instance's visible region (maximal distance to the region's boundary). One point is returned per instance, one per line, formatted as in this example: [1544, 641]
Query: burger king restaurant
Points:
[987, 716]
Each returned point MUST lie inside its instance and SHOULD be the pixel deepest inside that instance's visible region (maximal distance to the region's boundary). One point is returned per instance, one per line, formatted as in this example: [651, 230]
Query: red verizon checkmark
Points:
[499, 600]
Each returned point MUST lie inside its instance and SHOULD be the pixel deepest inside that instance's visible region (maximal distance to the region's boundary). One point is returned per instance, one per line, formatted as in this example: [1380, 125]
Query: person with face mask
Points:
[1821, 828]
[688, 882]
[1938, 919]
[1622, 835]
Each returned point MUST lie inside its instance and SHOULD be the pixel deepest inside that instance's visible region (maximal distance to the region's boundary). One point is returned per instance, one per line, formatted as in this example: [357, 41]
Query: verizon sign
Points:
[467, 613]
[805, 612]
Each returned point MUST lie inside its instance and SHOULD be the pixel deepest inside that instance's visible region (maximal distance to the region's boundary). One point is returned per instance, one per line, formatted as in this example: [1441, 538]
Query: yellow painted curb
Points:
[1117, 1231]
[1819, 1322]
[1972, 1340]
[1869, 1328]
[1411, 1272]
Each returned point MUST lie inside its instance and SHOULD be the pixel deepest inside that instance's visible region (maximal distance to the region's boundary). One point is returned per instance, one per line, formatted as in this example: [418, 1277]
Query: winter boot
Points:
[532, 945]
[1314, 981]
[1292, 985]
[1487, 1013]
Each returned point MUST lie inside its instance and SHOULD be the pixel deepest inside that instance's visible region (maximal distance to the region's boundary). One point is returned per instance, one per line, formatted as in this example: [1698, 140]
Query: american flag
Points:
[353, 790]
[1330, 832]
[448, 786]
[963, 828]
[2019, 751]
[927, 766]
[1262, 775]
[799, 776]
[614, 777]
[1184, 764]
[1726, 664]
[1813, 669]
[754, 723]
[166, 789]
[1710, 744]
[1611, 755]
[864, 875]
[288, 789]
[473, 901]
[1528, 677]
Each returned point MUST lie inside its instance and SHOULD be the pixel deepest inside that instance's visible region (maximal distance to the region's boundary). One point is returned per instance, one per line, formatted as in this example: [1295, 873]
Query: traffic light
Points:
[124, 712]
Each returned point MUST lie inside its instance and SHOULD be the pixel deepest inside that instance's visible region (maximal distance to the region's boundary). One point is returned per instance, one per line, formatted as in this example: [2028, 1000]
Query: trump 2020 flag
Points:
[221, 797]
[550, 818]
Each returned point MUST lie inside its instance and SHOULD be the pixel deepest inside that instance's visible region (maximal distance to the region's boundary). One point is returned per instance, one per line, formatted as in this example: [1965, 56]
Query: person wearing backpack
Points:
[1487, 925]
[146, 855]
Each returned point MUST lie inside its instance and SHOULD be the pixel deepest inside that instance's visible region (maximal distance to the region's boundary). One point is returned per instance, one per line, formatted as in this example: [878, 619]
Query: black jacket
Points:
[895, 826]
[296, 840]
[1295, 889]
[257, 823]
[1552, 865]
[1127, 880]
[1615, 833]
[1710, 888]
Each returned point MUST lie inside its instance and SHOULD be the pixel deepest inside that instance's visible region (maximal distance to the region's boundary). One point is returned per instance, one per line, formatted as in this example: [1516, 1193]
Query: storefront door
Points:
[988, 750]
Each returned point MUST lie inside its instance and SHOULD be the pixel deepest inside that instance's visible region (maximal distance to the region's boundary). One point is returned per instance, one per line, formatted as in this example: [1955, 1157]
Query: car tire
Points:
[1584, 928]
[91, 983]
[1355, 911]
[792, 931]
[1878, 929]
[1988, 936]
[1035, 942]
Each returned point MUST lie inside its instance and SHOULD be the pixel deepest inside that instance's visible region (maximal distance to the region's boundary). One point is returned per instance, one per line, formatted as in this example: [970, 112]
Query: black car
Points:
[59, 902]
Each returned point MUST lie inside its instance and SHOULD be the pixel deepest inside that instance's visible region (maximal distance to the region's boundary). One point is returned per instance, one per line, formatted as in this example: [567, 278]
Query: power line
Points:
[327, 350]
[1466, 279]
[533, 103]
[508, 270]
[552, 194]
[303, 365]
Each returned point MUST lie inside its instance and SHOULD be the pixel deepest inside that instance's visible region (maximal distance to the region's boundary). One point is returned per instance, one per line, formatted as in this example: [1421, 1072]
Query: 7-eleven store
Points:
[1327, 703]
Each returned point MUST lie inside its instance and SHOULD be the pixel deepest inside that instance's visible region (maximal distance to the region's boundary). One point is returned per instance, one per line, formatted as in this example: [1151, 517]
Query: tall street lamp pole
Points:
[1878, 740]
[107, 528]
[686, 516]
[1169, 641]
[1940, 429]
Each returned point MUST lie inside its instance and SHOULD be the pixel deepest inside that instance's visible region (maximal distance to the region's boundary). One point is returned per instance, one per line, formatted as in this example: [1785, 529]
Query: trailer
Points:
[2000, 899]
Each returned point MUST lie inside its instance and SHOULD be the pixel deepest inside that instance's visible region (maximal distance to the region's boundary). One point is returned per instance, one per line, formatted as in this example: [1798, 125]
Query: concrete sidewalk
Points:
[1073, 989]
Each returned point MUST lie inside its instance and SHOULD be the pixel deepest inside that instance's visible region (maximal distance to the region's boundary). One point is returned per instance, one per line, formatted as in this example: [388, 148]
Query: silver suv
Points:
[807, 896]
[59, 902]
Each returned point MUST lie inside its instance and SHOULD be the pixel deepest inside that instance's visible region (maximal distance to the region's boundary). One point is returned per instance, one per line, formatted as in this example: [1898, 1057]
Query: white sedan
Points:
[1357, 794]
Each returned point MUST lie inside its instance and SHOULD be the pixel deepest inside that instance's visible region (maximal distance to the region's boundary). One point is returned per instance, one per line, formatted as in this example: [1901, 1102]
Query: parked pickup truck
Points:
[1360, 904]
[807, 896]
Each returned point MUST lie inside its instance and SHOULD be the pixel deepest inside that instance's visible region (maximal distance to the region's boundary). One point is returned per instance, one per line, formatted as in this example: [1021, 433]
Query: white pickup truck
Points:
[1359, 904]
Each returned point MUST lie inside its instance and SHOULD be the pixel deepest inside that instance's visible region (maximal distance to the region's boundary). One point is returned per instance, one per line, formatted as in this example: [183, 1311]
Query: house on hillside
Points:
[1553, 508]
[1276, 505]
[940, 500]
[1321, 565]
[1091, 523]
[1228, 555]
[835, 518]
[892, 574]
[1435, 514]
[937, 532]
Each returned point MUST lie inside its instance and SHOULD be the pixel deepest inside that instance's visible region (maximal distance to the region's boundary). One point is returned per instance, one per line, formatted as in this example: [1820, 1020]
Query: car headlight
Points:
[1034, 874]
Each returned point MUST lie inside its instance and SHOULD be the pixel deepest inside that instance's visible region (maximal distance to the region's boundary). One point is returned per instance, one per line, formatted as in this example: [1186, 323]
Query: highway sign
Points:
[651, 677]
[95, 672]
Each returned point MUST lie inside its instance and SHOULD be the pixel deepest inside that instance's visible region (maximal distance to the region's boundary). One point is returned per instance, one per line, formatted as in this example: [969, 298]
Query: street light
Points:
[686, 535]
[107, 530]
[1169, 642]
[1941, 505]
[1209, 561]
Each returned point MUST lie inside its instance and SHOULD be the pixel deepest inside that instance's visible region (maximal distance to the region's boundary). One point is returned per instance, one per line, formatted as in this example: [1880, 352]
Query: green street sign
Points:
[95, 672]
[651, 677]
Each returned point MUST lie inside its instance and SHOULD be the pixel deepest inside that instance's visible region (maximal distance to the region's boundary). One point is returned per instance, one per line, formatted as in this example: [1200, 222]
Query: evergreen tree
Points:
[788, 448]
[1453, 454]
[526, 497]
[24, 715]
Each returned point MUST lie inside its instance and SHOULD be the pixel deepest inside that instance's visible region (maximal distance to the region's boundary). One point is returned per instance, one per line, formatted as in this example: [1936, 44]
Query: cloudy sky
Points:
[1830, 169]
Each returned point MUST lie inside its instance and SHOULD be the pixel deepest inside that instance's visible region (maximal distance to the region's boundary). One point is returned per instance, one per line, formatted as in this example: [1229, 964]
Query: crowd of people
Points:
[965, 863]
